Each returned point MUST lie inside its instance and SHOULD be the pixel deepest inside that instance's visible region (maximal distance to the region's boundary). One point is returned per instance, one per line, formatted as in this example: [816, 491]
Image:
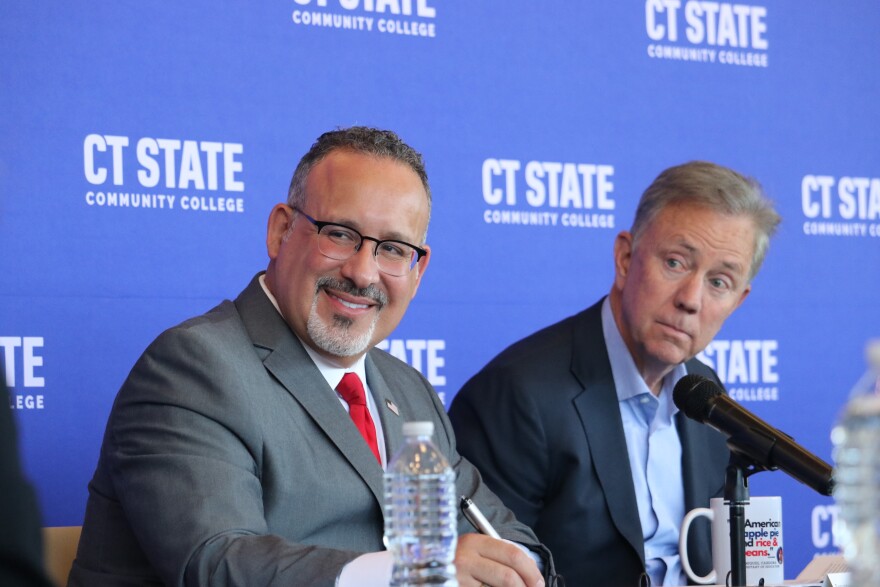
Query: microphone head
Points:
[693, 395]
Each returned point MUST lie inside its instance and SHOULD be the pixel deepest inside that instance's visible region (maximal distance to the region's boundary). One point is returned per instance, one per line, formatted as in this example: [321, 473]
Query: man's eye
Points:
[719, 283]
[340, 235]
[393, 250]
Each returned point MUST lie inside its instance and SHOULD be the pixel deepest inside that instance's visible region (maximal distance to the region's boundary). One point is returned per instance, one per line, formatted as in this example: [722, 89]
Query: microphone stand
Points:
[736, 495]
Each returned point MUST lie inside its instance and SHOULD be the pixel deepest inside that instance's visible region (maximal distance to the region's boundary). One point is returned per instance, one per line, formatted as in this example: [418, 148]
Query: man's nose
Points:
[689, 296]
[361, 268]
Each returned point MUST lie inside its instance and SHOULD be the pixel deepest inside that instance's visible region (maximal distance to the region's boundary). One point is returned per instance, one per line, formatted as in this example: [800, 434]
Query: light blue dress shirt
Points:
[654, 451]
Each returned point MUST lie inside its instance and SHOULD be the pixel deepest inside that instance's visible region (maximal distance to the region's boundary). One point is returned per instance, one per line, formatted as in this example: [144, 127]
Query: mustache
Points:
[344, 285]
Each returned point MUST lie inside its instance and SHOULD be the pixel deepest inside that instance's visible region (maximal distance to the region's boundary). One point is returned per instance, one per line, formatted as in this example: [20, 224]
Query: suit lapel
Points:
[690, 458]
[286, 359]
[387, 406]
[599, 412]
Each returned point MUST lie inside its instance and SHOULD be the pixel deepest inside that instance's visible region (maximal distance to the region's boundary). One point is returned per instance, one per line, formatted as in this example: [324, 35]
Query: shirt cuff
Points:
[374, 568]
[368, 570]
[534, 555]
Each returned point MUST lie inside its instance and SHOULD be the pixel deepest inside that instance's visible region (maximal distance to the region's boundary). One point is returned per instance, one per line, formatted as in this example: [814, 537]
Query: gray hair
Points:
[361, 139]
[718, 188]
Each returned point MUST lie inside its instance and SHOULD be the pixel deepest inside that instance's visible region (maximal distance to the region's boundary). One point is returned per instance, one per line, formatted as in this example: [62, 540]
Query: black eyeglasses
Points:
[340, 242]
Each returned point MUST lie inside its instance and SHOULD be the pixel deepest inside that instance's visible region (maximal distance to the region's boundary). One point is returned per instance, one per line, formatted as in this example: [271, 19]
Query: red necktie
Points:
[352, 391]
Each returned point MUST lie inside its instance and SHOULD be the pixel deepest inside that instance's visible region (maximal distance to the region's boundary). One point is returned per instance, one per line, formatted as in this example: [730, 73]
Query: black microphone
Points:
[703, 400]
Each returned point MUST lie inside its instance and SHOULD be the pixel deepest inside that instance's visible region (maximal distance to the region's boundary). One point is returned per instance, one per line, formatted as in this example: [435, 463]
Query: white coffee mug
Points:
[763, 540]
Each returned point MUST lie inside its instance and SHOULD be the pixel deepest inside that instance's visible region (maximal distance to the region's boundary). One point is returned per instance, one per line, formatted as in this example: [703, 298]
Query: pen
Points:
[476, 517]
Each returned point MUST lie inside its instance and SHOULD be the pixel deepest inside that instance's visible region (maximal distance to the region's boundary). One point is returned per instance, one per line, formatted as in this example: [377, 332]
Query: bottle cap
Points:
[418, 428]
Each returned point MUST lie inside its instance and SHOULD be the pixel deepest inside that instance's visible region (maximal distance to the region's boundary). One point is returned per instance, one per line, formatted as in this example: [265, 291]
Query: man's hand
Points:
[481, 560]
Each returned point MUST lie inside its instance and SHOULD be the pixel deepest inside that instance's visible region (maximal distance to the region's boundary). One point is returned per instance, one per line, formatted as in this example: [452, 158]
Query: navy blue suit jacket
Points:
[542, 424]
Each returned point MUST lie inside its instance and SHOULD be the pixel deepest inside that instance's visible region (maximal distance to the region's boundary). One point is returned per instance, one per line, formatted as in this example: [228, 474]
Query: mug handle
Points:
[682, 546]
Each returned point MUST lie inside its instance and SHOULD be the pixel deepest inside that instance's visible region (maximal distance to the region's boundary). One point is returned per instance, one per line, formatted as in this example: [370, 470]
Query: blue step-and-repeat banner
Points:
[144, 143]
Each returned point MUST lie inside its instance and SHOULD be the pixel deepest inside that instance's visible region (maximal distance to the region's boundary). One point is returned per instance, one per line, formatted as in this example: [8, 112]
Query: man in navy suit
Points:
[574, 427]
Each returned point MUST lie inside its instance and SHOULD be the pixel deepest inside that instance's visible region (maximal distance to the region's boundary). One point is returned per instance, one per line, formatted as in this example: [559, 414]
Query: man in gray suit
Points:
[229, 458]
[574, 426]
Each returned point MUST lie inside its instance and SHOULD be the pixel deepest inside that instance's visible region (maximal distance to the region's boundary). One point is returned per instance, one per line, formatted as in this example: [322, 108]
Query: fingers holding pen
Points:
[482, 560]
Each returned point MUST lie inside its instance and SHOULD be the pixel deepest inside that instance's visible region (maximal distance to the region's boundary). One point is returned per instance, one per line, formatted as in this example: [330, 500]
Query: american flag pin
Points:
[392, 406]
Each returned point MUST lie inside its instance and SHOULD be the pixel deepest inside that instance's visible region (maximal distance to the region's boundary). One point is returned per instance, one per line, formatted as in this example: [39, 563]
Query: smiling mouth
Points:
[358, 299]
[348, 304]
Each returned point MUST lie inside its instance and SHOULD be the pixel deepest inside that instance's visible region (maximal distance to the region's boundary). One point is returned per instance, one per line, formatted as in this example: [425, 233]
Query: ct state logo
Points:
[708, 32]
[548, 193]
[163, 173]
[411, 18]
[845, 207]
[748, 368]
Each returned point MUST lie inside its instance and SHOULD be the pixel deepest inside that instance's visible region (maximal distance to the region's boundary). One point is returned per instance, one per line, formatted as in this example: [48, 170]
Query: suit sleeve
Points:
[186, 459]
[470, 483]
[499, 429]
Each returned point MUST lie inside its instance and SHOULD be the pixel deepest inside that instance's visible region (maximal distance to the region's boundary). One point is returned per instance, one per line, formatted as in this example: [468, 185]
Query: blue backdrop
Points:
[144, 143]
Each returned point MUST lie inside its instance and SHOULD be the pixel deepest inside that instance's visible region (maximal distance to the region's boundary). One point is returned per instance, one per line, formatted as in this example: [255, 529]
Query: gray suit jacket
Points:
[228, 460]
[542, 423]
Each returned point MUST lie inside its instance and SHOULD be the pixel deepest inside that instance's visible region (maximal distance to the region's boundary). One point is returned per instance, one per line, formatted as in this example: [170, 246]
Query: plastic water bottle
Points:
[420, 511]
[857, 459]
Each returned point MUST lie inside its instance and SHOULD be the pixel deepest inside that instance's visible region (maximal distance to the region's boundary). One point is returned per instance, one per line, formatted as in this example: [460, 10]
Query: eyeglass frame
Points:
[320, 224]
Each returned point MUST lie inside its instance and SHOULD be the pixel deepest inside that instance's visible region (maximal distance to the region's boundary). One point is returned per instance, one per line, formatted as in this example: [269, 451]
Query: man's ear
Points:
[623, 249]
[280, 219]
[744, 295]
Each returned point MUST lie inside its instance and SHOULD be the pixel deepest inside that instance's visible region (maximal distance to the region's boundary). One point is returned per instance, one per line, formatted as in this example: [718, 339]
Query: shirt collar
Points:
[332, 373]
[627, 380]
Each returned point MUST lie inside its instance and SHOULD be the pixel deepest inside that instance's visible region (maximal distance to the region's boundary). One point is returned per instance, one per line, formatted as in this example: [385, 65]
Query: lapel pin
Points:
[392, 407]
